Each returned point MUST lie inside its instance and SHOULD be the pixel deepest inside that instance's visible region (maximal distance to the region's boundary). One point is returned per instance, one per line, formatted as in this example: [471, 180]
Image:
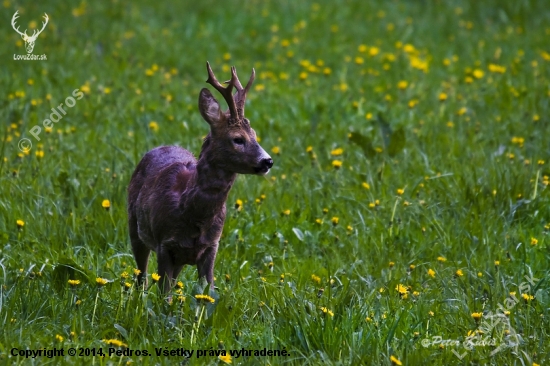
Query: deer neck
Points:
[212, 179]
[212, 182]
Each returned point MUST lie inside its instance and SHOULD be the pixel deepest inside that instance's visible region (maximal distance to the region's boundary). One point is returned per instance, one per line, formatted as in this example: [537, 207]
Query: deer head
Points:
[231, 143]
[29, 40]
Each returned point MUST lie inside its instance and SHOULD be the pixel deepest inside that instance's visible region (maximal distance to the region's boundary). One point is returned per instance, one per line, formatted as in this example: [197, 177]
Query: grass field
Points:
[405, 220]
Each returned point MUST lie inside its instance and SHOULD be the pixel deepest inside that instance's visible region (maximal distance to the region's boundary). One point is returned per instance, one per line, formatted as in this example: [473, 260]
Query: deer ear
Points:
[210, 108]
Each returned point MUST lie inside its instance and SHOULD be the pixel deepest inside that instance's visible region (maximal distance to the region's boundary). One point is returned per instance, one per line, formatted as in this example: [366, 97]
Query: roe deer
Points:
[176, 203]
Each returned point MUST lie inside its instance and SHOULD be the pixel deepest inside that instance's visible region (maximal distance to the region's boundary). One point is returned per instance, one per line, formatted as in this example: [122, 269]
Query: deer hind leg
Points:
[141, 252]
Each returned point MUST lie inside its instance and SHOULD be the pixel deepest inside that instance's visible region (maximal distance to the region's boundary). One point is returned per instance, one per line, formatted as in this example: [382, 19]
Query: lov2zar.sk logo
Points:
[29, 40]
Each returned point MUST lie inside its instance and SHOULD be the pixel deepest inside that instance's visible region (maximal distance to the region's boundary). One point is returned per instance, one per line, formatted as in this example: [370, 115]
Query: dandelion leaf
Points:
[397, 142]
[67, 270]
[363, 142]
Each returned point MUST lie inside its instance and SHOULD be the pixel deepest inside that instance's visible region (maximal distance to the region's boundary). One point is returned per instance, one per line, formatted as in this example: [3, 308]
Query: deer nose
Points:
[268, 163]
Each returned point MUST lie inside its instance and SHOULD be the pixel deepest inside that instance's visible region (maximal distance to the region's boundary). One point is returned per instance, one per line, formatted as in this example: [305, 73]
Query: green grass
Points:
[474, 168]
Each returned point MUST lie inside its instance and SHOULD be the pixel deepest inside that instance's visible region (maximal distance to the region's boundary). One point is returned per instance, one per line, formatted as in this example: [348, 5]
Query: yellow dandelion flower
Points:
[286, 212]
[478, 74]
[205, 298]
[442, 96]
[327, 311]
[373, 51]
[74, 282]
[318, 221]
[115, 342]
[226, 358]
[400, 191]
[402, 289]
[477, 316]
[497, 263]
[459, 273]
[316, 279]
[534, 241]
[402, 84]
[137, 272]
[335, 220]
[239, 205]
[431, 273]
[20, 223]
[276, 150]
[106, 204]
[59, 338]
[336, 164]
[153, 126]
[155, 277]
[365, 185]
[101, 281]
[497, 68]
[336, 152]
[395, 361]
[527, 297]
[462, 111]
[441, 259]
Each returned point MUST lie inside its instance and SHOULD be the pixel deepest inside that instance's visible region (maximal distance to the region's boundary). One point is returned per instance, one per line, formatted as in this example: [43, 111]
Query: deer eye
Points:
[238, 141]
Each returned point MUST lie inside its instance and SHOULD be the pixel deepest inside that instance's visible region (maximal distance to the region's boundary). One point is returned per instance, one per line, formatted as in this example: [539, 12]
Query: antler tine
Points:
[44, 24]
[225, 92]
[13, 20]
[241, 93]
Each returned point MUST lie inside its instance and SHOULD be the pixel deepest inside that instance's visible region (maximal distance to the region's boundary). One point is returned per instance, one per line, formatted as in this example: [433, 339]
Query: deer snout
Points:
[268, 163]
[265, 165]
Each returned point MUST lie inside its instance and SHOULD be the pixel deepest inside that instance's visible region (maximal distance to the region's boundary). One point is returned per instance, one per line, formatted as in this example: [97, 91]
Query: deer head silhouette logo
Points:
[29, 40]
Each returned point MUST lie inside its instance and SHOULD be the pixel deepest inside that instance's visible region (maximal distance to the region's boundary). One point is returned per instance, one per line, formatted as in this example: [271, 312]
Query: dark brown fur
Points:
[176, 203]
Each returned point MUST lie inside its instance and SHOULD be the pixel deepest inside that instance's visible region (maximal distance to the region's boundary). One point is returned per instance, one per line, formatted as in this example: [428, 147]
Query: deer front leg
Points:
[165, 268]
[210, 238]
[205, 264]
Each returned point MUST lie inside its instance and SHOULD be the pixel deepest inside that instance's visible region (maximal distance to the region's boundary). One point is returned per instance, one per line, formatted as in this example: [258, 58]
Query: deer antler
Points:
[35, 32]
[225, 92]
[240, 96]
[13, 19]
